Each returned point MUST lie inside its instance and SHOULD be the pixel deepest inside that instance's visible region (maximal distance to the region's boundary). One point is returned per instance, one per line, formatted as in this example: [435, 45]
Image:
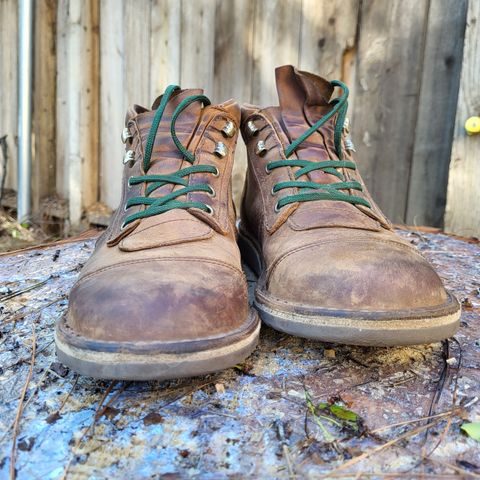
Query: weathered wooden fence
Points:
[402, 59]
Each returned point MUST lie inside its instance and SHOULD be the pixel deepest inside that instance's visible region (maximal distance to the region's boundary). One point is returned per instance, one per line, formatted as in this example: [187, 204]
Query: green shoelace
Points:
[156, 206]
[331, 191]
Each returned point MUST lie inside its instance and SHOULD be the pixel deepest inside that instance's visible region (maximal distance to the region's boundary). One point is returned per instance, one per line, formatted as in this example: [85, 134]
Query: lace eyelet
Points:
[217, 172]
[123, 226]
[210, 210]
[125, 208]
[126, 135]
[273, 192]
[128, 157]
[212, 192]
[277, 208]
[220, 150]
[267, 169]
[261, 148]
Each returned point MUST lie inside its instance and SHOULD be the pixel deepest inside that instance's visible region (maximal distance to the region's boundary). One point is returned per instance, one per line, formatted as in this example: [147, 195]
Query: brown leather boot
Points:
[163, 295]
[330, 265]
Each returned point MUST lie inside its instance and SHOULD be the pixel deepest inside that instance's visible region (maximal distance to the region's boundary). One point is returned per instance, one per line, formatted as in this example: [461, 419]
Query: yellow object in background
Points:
[472, 125]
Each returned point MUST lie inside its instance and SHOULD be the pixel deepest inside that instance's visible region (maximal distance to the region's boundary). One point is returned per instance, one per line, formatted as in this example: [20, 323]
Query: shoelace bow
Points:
[331, 191]
[156, 206]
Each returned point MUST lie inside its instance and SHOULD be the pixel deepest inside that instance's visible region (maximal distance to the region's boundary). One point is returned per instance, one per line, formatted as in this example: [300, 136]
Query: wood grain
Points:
[136, 27]
[197, 44]
[233, 68]
[8, 85]
[44, 108]
[164, 45]
[62, 89]
[427, 188]
[112, 98]
[83, 99]
[328, 41]
[276, 42]
[389, 66]
[327, 33]
[462, 214]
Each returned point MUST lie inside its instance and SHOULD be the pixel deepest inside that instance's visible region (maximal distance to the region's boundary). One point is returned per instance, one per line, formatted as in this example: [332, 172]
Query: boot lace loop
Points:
[308, 190]
[158, 205]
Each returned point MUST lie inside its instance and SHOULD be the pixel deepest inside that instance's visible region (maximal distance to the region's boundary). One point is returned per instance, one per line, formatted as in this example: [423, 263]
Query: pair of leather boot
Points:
[164, 296]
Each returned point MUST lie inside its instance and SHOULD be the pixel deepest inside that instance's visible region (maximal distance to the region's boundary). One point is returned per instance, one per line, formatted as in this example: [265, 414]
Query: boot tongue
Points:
[166, 158]
[304, 99]
[303, 92]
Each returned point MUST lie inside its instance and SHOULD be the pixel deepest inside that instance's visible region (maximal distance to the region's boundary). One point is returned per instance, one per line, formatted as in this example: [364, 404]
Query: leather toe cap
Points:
[175, 300]
[358, 275]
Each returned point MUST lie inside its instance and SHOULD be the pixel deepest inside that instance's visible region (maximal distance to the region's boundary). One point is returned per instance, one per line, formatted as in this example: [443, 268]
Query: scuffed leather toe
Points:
[164, 300]
[356, 275]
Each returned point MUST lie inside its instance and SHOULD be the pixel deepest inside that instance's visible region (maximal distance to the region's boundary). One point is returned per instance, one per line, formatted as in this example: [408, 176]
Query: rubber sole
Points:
[351, 327]
[108, 360]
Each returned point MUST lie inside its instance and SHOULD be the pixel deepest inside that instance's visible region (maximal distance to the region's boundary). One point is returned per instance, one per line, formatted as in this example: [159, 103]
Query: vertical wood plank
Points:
[197, 40]
[233, 68]
[389, 62]
[462, 214]
[164, 45]
[327, 41]
[233, 50]
[276, 42]
[61, 129]
[137, 52]
[8, 85]
[112, 100]
[44, 114]
[327, 35]
[427, 192]
[82, 98]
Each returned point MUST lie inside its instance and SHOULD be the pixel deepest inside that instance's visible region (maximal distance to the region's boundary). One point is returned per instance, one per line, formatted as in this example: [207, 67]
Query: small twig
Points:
[464, 472]
[398, 475]
[421, 419]
[25, 290]
[20, 406]
[38, 284]
[25, 405]
[64, 401]
[385, 445]
[88, 428]
[19, 316]
[100, 413]
[328, 436]
[286, 451]
[24, 359]
[454, 401]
